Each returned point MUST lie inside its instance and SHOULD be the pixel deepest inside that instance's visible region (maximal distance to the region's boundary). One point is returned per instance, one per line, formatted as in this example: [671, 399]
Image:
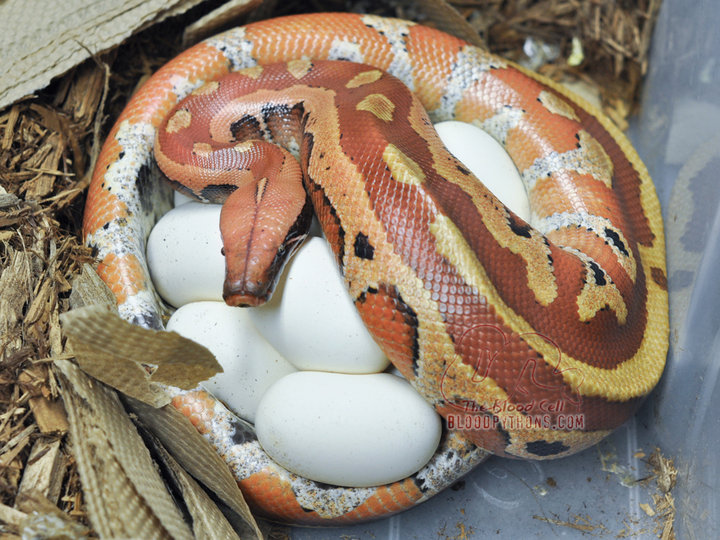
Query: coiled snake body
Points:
[489, 317]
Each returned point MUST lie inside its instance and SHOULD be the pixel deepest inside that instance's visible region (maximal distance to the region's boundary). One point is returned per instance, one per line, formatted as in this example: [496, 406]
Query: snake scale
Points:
[506, 327]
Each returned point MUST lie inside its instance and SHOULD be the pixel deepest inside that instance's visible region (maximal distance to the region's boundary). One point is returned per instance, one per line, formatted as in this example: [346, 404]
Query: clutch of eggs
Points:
[303, 367]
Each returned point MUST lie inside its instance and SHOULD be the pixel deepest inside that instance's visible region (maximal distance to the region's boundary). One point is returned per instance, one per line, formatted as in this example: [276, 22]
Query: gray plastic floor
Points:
[594, 493]
[678, 136]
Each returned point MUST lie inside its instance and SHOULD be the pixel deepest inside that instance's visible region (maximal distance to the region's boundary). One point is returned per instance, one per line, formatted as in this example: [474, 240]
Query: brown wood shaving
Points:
[45, 520]
[665, 475]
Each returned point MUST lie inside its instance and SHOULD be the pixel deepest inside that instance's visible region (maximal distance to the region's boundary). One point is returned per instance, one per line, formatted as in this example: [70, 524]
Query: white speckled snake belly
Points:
[534, 340]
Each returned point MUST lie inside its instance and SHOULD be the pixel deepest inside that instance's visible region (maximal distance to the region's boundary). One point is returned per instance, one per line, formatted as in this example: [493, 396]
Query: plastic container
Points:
[678, 137]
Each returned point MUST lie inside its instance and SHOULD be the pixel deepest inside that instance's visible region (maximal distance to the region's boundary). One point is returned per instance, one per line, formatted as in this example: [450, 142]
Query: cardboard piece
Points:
[42, 39]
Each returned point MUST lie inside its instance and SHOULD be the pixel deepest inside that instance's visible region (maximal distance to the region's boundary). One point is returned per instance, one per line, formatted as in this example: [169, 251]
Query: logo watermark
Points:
[532, 400]
[476, 422]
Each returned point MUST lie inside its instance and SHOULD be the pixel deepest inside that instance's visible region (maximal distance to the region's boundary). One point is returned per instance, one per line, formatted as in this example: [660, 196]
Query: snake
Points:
[507, 327]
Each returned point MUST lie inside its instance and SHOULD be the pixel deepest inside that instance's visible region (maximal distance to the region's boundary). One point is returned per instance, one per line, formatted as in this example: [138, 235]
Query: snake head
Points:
[258, 240]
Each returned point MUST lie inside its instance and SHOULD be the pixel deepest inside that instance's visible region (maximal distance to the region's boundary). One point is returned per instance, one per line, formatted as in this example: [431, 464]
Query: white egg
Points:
[250, 364]
[312, 321]
[348, 430]
[487, 160]
[184, 254]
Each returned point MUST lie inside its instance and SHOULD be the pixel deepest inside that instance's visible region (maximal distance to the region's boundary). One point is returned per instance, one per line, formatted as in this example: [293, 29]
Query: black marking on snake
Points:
[463, 170]
[274, 110]
[341, 233]
[544, 448]
[242, 432]
[420, 483]
[145, 184]
[598, 274]
[321, 203]
[520, 229]
[238, 437]
[217, 193]
[299, 230]
[412, 320]
[248, 127]
[363, 248]
[260, 188]
[549, 256]
[306, 148]
[615, 237]
[279, 116]
[146, 319]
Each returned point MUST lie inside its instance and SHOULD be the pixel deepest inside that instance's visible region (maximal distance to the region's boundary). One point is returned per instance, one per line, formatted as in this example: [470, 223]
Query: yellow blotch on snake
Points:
[180, 120]
[206, 89]
[299, 68]
[366, 77]
[202, 149]
[402, 168]
[379, 105]
[557, 106]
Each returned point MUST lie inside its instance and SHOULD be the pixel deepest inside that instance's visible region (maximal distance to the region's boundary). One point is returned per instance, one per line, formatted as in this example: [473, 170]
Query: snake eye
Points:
[222, 251]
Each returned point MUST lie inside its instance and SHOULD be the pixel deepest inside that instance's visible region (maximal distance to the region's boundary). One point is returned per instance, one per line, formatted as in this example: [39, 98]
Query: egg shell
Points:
[347, 430]
[249, 362]
[184, 254]
[312, 321]
[487, 160]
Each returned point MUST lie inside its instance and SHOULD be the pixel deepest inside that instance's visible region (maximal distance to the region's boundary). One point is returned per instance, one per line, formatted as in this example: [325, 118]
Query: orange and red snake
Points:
[489, 317]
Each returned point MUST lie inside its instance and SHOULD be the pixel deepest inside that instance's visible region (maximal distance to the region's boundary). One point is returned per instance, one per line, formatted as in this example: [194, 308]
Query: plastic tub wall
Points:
[678, 136]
